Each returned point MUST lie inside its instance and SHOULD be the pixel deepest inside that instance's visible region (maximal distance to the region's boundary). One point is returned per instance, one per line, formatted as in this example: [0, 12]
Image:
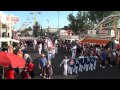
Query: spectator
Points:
[25, 74]
[10, 49]
[10, 73]
[42, 64]
[31, 69]
[48, 69]
[20, 53]
[103, 56]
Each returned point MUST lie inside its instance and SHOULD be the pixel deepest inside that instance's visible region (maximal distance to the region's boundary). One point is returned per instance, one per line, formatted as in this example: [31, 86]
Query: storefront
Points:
[94, 41]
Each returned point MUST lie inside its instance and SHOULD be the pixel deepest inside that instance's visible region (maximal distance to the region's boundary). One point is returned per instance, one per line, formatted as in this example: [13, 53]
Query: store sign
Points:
[91, 32]
[74, 37]
[103, 31]
[65, 32]
[13, 19]
[112, 33]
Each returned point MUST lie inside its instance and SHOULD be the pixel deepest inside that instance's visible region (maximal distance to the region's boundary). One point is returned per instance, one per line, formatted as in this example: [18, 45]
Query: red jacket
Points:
[10, 74]
[30, 66]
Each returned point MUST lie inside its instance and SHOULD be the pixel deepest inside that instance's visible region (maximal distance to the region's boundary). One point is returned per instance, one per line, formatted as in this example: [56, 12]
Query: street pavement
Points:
[99, 73]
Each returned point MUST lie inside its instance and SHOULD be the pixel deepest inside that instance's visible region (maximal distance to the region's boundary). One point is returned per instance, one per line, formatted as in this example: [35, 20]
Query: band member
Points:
[53, 52]
[45, 46]
[56, 49]
[92, 60]
[70, 66]
[81, 63]
[34, 44]
[87, 62]
[40, 48]
[49, 53]
[76, 65]
[65, 61]
[95, 57]
[73, 53]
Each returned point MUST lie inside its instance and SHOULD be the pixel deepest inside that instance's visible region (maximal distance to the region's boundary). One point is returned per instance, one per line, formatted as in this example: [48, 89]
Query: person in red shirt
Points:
[9, 73]
[31, 69]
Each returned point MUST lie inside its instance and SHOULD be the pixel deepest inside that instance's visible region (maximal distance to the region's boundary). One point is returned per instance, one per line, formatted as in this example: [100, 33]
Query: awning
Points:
[95, 41]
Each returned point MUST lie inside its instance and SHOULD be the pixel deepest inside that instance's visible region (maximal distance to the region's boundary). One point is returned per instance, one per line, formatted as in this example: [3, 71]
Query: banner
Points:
[112, 33]
[15, 19]
[12, 19]
[91, 32]
[49, 43]
[103, 31]
[65, 32]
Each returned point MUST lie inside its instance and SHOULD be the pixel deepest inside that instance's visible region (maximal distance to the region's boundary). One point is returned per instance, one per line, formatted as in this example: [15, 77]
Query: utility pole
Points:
[58, 20]
[35, 20]
[114, 26]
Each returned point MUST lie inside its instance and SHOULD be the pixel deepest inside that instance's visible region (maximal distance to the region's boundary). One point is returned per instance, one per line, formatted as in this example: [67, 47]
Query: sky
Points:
[51, 16]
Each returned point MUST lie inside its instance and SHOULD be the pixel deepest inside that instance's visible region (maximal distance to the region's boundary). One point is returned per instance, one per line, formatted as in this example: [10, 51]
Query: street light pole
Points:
[35, 19]
[35, 16]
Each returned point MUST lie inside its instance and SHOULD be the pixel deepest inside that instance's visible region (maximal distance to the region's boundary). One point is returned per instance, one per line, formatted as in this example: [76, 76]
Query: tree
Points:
[80, 22]
[36, 29]
[85, 20]
[66, 27]
[29, 29]
[97, 16]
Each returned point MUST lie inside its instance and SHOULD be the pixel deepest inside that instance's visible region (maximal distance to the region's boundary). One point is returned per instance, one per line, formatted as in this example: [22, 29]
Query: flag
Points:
[49, 43]
[74, 47]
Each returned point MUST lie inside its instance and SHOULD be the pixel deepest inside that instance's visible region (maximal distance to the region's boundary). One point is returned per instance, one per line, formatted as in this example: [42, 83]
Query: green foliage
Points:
[36, 29]
[66, 27]
[3, 25]
[80, 22]
[85, 20]
[97, 16]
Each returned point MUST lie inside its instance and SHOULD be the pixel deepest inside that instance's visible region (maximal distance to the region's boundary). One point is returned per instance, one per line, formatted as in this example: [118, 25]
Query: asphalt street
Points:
[99, 73]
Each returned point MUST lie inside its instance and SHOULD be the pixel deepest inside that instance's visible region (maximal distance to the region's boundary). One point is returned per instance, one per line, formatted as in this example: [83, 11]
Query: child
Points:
[48, 69]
